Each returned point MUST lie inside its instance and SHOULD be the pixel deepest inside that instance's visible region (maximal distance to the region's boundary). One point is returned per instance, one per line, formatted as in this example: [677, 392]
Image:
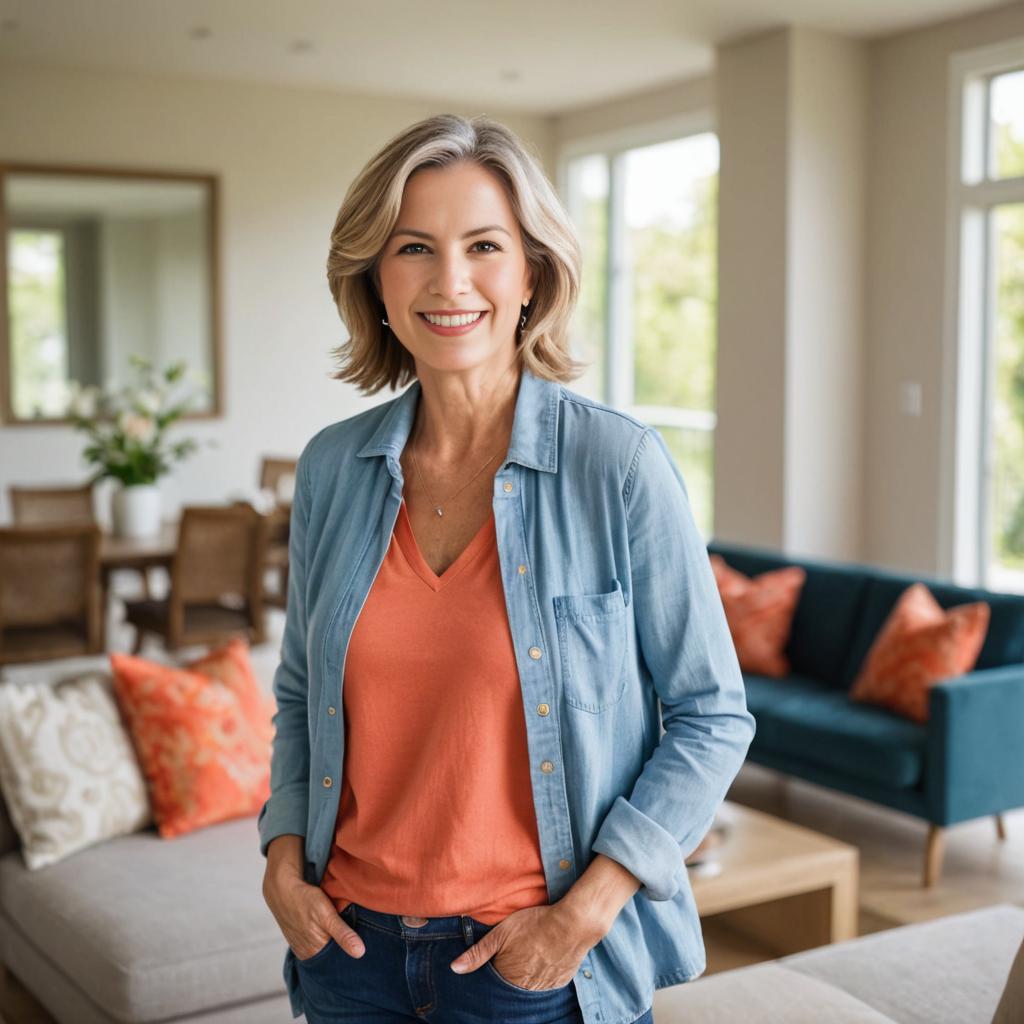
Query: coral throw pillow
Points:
[759, 611]
[202, 735]
[919, 645]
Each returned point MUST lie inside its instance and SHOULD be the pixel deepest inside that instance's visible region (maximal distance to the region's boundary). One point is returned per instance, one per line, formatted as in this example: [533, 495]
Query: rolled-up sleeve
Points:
[286, 809]
[684, 640]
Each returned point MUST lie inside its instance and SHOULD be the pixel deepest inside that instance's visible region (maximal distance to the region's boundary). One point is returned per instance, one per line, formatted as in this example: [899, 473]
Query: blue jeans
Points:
[404, 975]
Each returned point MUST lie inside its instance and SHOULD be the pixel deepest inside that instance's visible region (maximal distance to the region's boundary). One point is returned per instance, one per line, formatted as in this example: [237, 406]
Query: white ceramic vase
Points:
[136, 511]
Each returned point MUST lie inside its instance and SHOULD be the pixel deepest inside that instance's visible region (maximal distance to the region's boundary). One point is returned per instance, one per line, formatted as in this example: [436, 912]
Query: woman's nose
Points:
[451, 276]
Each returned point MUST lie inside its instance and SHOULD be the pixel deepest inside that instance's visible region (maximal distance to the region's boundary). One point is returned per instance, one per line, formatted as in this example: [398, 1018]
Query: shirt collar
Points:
[534, 441]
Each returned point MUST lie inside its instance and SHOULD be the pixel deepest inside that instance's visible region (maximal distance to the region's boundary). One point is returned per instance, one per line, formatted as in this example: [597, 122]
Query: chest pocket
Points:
[592, 643]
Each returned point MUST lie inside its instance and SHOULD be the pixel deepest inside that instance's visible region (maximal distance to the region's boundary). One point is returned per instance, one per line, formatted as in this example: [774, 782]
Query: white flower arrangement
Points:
[126, 426]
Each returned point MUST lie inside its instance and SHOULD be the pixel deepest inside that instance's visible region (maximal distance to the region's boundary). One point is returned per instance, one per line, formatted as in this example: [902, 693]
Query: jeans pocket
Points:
[318, 955]
[518, 988]
[479, 931]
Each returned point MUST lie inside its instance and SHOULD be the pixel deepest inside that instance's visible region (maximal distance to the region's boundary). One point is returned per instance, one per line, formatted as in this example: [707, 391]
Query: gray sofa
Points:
[140, 929]
[143, 929]
[951, 970]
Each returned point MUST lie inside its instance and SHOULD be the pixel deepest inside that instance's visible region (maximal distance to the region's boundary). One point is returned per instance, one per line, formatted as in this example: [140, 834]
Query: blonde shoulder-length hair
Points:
[373, 357]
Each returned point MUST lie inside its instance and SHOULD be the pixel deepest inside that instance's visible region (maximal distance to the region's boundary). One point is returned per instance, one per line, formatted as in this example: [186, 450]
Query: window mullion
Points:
[985, 456]
[619, 341]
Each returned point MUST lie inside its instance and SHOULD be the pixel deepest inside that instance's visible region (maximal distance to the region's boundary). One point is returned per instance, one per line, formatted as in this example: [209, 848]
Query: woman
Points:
[474, 813]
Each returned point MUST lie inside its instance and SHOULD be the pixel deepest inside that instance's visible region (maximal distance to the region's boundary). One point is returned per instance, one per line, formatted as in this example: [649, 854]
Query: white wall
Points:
[285, 157]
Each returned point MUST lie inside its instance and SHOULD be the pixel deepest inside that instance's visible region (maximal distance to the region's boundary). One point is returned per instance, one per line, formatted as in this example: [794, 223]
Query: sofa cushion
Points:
[817, 723]
[948, 969]
[1004, 641]
[203, 734]
[919, 645]
[761, 994]
[832, 593]
[151, 928]
[759, 611]
[67, 769]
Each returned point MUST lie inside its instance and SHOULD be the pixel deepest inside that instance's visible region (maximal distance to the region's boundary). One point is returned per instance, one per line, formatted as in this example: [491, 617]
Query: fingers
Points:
[477, 955]
[347, 938]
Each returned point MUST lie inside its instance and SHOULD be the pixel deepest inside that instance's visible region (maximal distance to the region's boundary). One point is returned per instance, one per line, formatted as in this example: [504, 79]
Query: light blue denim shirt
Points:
[614, 614]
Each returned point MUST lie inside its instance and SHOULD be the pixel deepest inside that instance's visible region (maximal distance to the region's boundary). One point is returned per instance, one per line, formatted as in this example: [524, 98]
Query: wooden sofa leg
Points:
[933, 855]
[1000, 828]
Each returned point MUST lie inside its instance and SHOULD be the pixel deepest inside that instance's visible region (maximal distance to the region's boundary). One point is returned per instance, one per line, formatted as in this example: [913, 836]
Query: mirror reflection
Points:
[101, 268]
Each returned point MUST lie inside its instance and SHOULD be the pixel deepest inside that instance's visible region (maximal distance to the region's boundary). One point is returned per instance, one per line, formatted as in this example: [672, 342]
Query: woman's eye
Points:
[494, 247]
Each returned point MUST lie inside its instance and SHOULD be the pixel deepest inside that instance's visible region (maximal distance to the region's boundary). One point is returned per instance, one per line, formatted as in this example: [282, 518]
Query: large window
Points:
[989, 208]
[646, 212]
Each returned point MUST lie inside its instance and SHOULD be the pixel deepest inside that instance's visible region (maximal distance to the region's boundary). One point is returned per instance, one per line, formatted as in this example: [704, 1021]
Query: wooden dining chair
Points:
[276, 560]
[52, 506]
[50, 596]
[61, 506]
[216, 581]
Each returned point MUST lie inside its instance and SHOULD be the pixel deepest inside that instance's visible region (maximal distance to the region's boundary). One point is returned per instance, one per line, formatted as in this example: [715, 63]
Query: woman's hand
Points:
[306, 916]
[535, 948]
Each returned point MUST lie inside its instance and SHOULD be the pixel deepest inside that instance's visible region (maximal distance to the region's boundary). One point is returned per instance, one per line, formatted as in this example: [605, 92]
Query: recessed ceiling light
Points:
[510, 75]
[301, 46]
[200, 32]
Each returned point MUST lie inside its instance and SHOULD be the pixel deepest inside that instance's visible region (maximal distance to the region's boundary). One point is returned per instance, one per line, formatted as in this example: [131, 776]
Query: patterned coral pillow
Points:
[918, 645]
[202, 734]
[759, 611]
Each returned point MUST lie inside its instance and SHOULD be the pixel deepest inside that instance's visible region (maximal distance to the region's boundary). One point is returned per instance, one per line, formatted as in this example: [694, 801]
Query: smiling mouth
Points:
[454, 320]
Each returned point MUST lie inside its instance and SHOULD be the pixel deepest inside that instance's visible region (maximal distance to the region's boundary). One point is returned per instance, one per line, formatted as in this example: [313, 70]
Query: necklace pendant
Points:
[437, 509]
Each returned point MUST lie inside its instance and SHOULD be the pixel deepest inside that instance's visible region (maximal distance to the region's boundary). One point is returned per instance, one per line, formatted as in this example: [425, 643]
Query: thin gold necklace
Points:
[416, 462]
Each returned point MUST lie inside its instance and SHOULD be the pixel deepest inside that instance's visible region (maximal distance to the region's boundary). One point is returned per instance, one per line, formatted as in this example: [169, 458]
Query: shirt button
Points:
[508, 486]
[563, 864]
[522, 569]
[535, 653]
[587, 974]
[547, 767]
[327, 781]
[331, 711]
[542, 709]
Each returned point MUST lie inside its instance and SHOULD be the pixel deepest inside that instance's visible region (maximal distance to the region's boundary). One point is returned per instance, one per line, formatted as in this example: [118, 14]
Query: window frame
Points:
[619, 389]
[970, 296]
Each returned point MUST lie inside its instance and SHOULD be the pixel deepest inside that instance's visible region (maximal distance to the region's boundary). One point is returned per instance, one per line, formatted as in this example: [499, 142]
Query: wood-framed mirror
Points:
[99, 265]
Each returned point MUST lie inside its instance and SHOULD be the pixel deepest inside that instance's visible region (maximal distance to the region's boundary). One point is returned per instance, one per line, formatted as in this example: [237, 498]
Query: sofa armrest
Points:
[975, 751]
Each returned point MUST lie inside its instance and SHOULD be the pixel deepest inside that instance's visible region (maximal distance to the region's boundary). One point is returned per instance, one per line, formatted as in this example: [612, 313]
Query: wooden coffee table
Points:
[782, 887]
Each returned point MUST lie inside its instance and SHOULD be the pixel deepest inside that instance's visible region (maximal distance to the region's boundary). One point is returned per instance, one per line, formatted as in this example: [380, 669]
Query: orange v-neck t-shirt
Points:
[436, 813]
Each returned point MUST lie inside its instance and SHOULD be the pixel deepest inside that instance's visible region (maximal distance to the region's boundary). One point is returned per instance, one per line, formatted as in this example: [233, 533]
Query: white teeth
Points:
[453, 321]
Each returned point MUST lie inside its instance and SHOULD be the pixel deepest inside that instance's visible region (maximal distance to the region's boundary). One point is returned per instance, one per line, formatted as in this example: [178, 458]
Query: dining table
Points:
[157, 551]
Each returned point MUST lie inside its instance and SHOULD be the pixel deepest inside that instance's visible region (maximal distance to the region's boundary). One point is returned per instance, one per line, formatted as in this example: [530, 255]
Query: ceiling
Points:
[532, 55]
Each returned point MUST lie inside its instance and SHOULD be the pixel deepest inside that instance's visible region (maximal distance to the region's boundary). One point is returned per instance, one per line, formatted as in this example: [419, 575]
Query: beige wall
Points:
[750, 441]
[791, 127]
[692, 95]
[285, 158]
[906, 281]
[825, 295]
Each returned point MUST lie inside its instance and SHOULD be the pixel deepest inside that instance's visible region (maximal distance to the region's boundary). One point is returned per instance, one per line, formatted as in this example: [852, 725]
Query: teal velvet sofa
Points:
[966, 762]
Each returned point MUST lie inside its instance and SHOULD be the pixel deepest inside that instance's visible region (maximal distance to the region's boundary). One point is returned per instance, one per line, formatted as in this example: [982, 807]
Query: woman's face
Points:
[456, 249]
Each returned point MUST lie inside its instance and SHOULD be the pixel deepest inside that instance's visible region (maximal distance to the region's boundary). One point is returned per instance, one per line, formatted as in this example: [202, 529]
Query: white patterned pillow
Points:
[68, 770]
